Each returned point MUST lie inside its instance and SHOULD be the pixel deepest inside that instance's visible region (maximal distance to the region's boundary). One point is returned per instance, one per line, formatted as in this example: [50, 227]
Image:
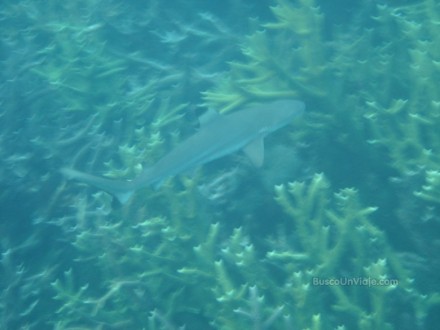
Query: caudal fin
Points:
[122, 190]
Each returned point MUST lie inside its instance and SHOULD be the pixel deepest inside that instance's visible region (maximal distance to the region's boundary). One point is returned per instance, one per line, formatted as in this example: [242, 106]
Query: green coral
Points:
[232, 280]
[279, 60]
[358, 87]
[431, 190]
[335, 237]
[167, 260]
[238, 282]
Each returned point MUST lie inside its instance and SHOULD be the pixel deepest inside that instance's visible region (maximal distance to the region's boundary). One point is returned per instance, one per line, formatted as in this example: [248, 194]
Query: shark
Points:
[218, 136]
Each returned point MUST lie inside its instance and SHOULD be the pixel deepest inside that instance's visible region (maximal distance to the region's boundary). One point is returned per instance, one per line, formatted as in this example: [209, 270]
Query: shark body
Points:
[218, 136]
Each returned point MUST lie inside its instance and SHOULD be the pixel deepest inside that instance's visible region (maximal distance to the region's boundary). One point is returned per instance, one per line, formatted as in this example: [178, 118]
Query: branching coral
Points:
[331, 266]
[373, 110]
[166, 260]
[431, 190]
[336, 241]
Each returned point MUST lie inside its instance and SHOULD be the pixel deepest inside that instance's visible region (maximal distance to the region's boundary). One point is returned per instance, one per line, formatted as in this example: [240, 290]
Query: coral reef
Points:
[108, 87]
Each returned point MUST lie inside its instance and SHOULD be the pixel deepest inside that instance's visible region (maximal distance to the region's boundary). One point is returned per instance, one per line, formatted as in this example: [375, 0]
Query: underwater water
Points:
[338, 229]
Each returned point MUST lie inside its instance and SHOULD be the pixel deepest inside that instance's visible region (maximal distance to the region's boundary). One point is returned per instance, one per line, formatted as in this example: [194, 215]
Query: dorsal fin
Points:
[209, 116]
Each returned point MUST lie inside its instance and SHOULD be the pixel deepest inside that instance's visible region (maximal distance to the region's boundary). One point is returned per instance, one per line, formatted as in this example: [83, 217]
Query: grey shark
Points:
[218, 136]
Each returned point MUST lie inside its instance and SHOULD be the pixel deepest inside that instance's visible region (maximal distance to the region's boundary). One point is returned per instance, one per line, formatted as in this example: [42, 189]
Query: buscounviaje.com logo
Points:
[354, 281]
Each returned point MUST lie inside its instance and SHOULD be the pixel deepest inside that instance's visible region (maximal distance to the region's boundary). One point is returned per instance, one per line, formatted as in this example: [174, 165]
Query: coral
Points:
[279, 59]
[290, 281]
[110, 87]
[372, 103]
[354, 82]
[81, 84]
[431, 190]
[335, 239]
[367, 107]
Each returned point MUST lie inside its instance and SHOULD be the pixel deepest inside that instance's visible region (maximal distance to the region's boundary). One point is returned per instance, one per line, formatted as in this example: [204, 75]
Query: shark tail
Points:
[122, 190]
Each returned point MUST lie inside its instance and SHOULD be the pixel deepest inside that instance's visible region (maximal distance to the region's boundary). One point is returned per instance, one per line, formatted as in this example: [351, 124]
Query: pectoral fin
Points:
[255, 152]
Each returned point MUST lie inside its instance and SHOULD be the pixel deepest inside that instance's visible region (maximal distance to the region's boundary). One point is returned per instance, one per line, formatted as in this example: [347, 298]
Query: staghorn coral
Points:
[335, 239]
[166, 261]
[431, 190]
[79, 80]
[194, 277]
[370, 86]
[385, 104]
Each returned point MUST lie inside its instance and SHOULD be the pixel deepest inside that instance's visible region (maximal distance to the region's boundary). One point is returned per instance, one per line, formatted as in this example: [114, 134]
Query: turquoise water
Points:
[337, 230]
